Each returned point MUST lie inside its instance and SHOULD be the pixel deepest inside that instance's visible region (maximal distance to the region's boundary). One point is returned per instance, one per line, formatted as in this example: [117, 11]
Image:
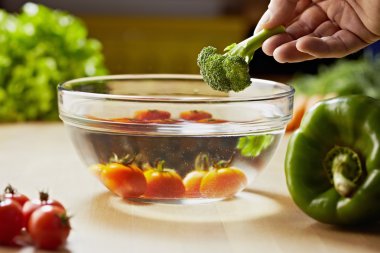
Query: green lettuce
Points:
[253, 146]
[40, 48]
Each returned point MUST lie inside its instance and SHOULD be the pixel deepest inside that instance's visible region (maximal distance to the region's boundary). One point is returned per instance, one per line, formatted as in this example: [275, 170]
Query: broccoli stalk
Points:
[230, 71]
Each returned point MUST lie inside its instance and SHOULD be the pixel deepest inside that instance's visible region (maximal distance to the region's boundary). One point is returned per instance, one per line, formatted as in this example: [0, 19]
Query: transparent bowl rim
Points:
[64, 88]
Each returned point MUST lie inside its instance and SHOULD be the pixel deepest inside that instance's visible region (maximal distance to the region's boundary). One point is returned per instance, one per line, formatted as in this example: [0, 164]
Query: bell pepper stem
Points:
[345, 170]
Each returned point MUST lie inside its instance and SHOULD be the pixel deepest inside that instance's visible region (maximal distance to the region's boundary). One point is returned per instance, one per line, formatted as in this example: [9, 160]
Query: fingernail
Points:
[263, 20]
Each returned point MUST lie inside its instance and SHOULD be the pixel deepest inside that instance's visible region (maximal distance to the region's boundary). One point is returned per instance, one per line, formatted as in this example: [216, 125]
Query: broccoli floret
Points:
[230, 71]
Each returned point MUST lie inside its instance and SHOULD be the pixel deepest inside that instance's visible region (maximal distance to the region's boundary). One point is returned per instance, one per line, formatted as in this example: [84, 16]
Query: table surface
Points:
[263, 218]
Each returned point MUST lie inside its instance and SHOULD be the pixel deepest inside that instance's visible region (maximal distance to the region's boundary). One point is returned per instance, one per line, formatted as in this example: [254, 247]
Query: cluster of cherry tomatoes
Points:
[42, 222]
[126, 179]
[161, 116]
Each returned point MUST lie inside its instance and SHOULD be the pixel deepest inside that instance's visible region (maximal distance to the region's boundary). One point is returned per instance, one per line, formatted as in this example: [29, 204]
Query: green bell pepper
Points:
[332, 162]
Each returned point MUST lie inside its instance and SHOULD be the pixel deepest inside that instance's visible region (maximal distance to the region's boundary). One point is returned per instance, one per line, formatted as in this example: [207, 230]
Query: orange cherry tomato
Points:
[163, 183]
[195, 115]
[126, 181]
[192, 182]
[151, 115]
[212, 121]
[121, 120]
[193, 179]
[97, 169]
[223, 182]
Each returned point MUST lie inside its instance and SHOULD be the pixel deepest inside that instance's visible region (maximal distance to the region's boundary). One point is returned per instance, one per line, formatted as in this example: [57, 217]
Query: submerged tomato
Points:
[32, 205]
[11, 193]
[11, 221]
[126, 181]
[163, 183]
[223, 182]
[192, 182]
[211, 121]
[122, 120]
[195, 115]
[193, 179]
[97, 169]
[149, 115]
[49, 227]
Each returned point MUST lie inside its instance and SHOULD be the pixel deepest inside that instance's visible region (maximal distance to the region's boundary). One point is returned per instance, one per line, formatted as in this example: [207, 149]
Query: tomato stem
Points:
[225, 164]
[160, 165]
[65, 219]
[9, 189]
[126, 160]
[202, 162]
[44, 196]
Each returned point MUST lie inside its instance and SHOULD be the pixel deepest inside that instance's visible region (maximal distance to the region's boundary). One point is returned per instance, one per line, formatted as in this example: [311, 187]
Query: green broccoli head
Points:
[230, 71]
[223, 72]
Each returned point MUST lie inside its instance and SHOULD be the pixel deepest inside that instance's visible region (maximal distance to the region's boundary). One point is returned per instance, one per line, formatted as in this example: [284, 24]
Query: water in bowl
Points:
[238, 159]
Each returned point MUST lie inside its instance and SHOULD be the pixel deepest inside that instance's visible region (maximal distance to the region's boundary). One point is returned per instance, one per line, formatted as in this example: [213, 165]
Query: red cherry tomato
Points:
[152, 115]
[32, 205]
[126, 181]
[163, 183]
[11, 221]
[49, 227]
[11, 193]
[195, 115]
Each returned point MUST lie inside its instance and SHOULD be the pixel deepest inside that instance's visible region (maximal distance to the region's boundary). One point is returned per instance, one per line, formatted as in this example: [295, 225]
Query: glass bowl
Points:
[171, 138]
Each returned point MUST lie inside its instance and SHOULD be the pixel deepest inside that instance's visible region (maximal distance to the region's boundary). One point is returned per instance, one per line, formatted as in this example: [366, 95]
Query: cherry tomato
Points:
[122, 120]
[193, 179]
[195, 115]
[97, 169]
[163, 183]
[11, 221]
[223, 182]
[11, 193]
[126, 181]
[211, 121]
[148, 115]
[32, 205]
[49, 227]
[192, 182]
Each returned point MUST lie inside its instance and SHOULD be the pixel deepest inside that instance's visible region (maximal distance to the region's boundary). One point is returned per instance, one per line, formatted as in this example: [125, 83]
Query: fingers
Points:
[262, 21]
[284, 48]
[325, 29]
[340, 44]
[281, 12]
[289, 52]
[307, 22]
[334, 44]
[312, 21]
[274, 42]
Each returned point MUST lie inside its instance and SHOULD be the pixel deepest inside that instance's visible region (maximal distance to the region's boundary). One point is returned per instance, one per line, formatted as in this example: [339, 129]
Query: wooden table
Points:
[261, 219]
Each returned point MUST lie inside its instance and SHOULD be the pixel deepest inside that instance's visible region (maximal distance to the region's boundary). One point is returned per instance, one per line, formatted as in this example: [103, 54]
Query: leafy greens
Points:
[344, 77]
[40, 48]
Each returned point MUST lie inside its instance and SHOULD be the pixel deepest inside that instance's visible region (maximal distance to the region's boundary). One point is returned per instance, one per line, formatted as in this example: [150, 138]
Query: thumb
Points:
[280, 12]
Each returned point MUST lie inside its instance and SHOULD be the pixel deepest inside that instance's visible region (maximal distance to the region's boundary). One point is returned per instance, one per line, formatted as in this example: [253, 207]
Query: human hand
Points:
[320, 28]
